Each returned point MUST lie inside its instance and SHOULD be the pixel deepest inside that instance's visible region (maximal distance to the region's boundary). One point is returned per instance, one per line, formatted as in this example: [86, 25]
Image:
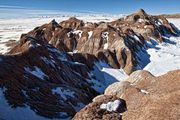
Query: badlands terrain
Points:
[90, 67]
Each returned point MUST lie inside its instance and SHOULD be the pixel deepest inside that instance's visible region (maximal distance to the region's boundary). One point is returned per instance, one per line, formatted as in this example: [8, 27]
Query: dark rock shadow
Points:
[143, 58]
[166, 40]
[175, 29]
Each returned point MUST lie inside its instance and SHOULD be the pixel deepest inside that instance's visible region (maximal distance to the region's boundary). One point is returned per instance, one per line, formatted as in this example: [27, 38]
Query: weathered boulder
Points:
[96, 111]
[117, 88]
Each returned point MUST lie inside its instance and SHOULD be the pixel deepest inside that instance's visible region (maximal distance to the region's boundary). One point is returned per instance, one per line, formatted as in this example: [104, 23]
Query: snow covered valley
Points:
[165, 57]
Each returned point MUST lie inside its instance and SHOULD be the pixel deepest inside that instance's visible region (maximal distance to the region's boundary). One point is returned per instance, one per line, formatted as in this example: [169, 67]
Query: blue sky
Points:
[102, 6]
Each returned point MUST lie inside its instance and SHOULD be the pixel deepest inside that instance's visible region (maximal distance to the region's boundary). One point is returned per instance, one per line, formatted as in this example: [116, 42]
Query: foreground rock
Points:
[96, 111]
[156, 98]
[147, 98]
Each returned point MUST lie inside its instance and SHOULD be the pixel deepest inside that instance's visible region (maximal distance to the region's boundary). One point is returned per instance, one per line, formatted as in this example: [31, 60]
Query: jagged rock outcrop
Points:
[148, 26]
[147, 97]
[115, 42]
[38, 75]
[72, 23]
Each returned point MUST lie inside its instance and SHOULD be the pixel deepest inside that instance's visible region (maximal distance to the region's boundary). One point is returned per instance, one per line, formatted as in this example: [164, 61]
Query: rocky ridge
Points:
[50, 68]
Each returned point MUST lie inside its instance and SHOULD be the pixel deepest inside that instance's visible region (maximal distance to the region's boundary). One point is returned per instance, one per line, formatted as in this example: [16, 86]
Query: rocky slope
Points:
[55, 68]
[115, 42]
[36, 74]
[146, 98]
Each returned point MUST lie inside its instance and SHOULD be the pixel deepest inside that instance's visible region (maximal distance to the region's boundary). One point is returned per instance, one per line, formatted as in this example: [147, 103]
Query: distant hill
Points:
[177, 15]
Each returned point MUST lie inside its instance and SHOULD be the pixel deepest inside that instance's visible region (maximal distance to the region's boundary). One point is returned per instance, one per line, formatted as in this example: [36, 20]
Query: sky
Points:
[99, 6]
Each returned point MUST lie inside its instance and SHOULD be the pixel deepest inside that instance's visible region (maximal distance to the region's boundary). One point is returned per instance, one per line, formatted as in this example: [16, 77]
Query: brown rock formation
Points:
[147, 98]
[115, 42]
[94, 112]
[72, 23]
[38, 75]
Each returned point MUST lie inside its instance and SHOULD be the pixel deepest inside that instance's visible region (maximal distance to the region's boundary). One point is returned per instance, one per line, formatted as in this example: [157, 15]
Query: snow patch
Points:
[140, 20]
[136, 38]
[111, 106]
[105, 76]
[64, 93]
[106, 46]
[90, 34]
[145, 26]
[32, 43]
[36, 72]
[76, 32]
[164, 57]
[144, 91]
[63, 116]
[105, 36]
[61, 55]
[48, 61]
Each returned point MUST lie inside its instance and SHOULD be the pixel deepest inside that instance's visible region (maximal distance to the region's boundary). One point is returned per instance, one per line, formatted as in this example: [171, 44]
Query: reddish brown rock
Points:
[64, 40]
[72, 23]
[154, 98]
[37, 75]
[117, 88]
[147, 98]
[115, 42]
[93, 110]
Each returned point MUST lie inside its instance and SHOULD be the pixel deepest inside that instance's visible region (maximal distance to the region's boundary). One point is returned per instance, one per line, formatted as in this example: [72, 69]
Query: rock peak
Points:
[54, 23]
[74, 19]
[141, 12]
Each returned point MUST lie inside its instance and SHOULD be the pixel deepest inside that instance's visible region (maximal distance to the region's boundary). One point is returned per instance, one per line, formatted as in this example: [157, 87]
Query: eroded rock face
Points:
[148, 97]
[49, 81]
[72, 23]
[115, 42]
[146, 25]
